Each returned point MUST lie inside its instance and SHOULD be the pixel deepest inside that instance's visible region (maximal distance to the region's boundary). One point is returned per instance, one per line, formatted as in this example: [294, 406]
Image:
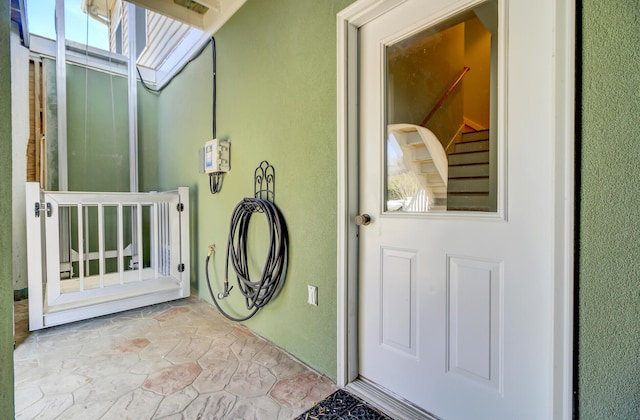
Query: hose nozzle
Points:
[227, 290]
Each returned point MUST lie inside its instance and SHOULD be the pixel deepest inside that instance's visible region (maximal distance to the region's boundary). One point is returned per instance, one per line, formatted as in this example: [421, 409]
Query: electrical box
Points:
[216, 156]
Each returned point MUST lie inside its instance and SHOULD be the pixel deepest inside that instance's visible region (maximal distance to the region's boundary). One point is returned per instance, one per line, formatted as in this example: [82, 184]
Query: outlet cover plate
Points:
[312, 298]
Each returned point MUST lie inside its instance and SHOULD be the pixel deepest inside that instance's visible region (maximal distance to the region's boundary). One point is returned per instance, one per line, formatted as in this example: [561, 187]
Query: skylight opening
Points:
[79, 27]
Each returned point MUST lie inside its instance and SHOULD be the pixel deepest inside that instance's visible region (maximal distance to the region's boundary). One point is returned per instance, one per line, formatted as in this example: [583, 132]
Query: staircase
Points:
[425, 157]
[468, 186]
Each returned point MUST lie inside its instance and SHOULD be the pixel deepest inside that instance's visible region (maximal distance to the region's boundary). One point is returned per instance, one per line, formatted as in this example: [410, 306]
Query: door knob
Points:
[362, 219]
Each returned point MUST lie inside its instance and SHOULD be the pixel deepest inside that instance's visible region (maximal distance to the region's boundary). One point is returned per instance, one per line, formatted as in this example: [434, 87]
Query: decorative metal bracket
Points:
[264, 182]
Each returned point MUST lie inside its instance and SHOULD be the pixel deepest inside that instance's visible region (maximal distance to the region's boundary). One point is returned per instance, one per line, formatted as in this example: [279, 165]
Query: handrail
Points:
[445, 96]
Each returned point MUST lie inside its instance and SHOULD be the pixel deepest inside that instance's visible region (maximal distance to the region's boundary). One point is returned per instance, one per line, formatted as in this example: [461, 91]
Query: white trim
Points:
[565, 195]
[476, 126]
[20, 108]
[193, 41]
[61, 91]
[132, 98]
[179, 56]
[92, 58]
[389, 403]
[348, 22]
[110, 62]
[78, 54]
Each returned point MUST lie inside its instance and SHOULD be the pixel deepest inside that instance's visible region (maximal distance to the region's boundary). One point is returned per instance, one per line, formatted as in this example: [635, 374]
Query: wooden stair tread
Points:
[474, 141]
[468, 164]
[406, 129]
[469, 177]
[475, 135]
[476, 193]
[462, 208]
[466, 153]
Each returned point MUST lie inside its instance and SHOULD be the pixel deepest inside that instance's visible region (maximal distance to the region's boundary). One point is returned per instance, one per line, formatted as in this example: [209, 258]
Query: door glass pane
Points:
[440, 113]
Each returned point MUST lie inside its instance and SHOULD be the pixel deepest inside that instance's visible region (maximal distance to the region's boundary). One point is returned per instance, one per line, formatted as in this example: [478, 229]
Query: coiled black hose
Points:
[256, 293]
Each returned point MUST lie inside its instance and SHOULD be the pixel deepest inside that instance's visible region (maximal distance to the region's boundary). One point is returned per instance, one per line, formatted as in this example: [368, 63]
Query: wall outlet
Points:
[312, 298]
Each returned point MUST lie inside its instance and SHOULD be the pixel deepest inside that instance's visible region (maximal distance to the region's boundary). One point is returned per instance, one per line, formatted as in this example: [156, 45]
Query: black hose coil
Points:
[256, 293]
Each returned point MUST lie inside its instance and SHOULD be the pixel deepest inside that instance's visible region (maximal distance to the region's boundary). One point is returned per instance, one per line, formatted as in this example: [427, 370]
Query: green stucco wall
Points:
[276, 101]
[609, 245]
[6, 281]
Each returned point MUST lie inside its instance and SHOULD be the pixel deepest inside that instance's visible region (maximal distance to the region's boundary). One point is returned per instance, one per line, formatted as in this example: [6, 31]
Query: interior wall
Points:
[609, 233]
[276, 75]
[6, 283]
[421, 69]
[477, 56]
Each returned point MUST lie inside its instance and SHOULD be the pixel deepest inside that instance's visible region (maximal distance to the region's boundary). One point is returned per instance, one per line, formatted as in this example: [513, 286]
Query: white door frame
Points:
[349, 21]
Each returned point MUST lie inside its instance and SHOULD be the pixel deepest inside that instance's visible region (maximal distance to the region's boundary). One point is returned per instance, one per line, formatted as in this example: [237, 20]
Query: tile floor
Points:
[177, 360]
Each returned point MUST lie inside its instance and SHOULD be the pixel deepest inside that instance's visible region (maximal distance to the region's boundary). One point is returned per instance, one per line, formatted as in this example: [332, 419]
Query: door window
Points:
[440, 121]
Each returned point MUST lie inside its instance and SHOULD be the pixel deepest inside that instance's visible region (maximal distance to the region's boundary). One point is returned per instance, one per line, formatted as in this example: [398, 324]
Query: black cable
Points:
[215, 182]
[193, 57]
[215, 178]
[215, 88]
[256, 293]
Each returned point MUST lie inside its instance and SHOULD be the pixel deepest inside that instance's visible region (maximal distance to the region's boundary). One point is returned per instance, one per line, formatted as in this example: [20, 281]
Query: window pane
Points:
[440, 151]
[41, 15]
[77, 24]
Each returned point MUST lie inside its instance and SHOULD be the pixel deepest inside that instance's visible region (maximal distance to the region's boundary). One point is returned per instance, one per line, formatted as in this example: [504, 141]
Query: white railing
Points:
[97, 253]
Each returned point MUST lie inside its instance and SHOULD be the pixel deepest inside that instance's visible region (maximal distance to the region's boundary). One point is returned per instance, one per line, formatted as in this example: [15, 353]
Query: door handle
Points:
[362, 219]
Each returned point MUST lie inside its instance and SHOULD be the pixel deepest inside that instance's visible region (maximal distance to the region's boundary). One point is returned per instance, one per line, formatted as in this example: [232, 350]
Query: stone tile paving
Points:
[177, 360]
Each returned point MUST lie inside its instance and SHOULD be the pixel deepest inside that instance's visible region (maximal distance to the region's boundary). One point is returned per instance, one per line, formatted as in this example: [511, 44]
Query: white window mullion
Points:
[87, 262]
[61, 89]
[139, 240]
[120, 246]
[101, 255]
[155, 246]
[81, 254]
[133, 101]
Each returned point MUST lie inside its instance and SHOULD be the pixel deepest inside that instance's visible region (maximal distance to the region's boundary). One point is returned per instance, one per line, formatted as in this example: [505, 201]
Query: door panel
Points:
[456, 305]
[473, 314]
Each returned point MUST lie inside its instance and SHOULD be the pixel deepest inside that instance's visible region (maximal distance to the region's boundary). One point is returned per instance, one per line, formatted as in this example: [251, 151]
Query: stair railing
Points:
[444, 97]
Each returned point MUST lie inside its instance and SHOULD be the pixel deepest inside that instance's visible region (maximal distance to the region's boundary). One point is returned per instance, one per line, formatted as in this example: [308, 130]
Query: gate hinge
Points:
[180, 207]
[180, 268]
[40, 207]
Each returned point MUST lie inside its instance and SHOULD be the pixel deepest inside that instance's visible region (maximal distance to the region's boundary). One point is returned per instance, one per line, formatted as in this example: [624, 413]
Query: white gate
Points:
[96, 253]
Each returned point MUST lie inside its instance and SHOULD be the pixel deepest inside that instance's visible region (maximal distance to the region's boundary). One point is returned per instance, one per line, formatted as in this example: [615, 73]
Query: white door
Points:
[456, 304]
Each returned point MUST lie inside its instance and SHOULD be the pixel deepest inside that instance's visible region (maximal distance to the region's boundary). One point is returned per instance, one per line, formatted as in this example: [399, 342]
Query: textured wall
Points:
[6, 286]
[609, 282]
[276, 101]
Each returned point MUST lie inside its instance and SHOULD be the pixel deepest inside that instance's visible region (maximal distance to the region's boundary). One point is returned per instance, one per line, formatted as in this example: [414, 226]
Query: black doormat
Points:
[342, 405]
